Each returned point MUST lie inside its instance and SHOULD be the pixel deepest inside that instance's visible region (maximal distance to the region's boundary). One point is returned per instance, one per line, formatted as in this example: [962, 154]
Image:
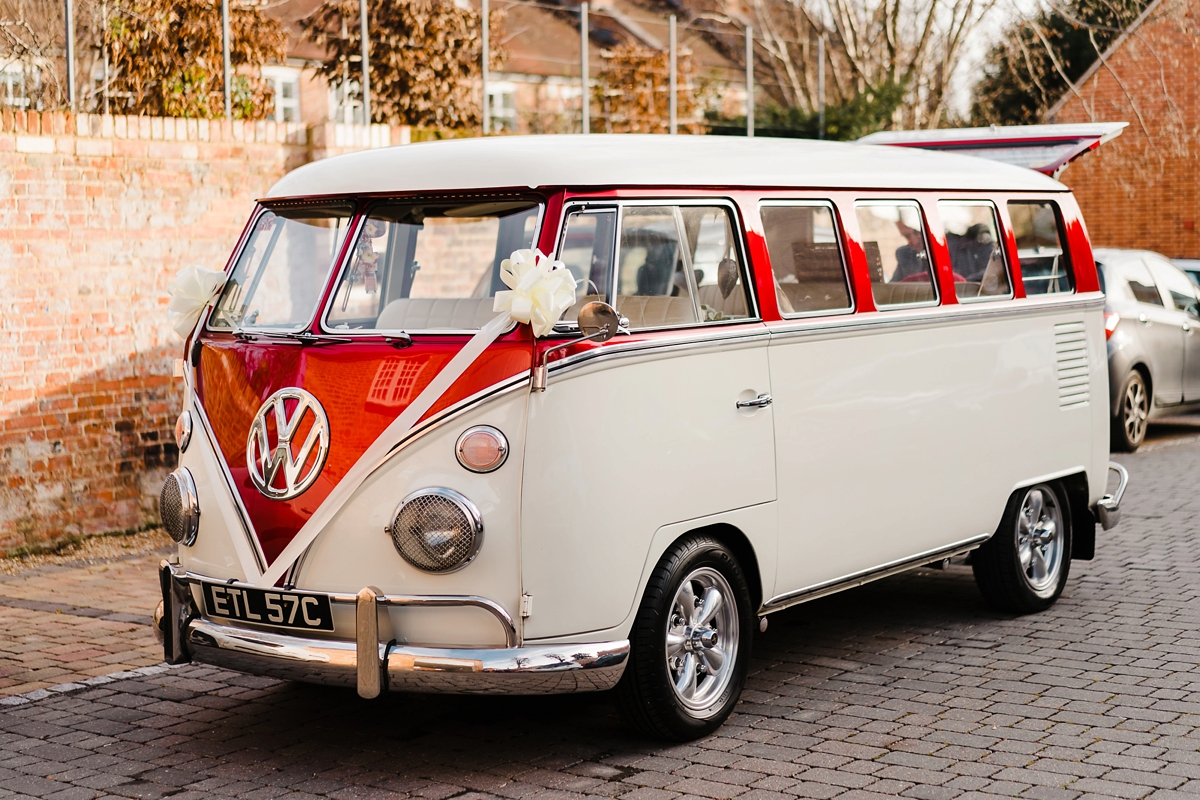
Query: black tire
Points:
[1005, 581]
[1131, 413]
[646, 694]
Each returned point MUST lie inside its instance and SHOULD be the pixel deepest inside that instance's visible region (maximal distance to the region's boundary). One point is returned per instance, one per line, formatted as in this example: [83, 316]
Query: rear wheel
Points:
[1129, 424]
[1024, 567]
[690, 643]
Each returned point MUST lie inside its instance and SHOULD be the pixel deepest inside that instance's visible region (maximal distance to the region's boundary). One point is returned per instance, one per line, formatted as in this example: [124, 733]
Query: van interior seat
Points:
[815, 296]
[894, 294]
[732, 307]
[422, 313]
[655, 312]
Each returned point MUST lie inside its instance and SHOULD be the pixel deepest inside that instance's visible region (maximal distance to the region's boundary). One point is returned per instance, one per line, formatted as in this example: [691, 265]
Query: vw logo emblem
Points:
[280, 466]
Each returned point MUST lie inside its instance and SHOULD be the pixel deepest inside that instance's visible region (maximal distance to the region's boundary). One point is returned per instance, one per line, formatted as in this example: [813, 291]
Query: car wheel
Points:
[1024, 566]
[1133, 411]
[690, 643]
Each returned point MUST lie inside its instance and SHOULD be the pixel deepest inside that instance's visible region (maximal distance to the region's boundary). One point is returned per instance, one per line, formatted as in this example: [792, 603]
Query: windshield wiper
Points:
[304, 337]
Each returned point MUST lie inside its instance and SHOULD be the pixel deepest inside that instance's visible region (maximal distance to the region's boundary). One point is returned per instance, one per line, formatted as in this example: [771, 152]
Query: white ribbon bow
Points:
[541, 290]
[193, 288]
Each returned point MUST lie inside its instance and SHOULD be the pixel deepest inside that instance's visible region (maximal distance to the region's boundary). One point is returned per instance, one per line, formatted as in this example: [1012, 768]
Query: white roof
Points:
[644, 160]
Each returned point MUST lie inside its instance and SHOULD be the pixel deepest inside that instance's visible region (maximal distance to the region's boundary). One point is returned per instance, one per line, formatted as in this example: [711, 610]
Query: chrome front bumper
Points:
[372, 666]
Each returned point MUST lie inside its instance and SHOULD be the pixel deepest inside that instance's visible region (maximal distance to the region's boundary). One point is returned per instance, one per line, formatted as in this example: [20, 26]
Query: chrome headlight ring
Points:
[179, 507]
[436, 530]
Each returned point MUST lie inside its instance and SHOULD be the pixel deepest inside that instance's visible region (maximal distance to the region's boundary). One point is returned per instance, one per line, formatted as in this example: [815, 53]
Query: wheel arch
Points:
[732, 537]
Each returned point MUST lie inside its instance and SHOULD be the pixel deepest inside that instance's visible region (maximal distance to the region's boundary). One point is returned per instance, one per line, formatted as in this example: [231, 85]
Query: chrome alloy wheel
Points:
[702, 640]
[1135, 410]
[1040, 540]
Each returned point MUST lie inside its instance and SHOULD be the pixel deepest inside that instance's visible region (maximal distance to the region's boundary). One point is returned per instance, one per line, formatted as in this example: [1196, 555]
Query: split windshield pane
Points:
[279, 275]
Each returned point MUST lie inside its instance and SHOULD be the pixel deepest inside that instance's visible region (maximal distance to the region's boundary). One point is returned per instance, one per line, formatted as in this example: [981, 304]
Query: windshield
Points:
[429, 265]
[279, 275]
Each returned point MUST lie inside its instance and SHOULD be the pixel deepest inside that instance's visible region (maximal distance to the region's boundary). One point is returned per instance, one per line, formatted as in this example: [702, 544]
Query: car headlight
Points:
[437, 530]
[179, 507]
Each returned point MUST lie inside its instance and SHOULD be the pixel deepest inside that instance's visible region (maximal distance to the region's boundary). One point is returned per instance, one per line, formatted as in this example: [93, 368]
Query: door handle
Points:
[1142, 318]
[1187, 328]
[758, 402]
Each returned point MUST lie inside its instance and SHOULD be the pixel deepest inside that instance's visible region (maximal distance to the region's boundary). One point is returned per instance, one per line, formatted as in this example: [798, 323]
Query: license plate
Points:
[268, 607]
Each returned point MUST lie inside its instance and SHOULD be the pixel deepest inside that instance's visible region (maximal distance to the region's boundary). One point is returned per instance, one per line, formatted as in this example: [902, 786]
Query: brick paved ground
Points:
[907, 687]
[62, 624]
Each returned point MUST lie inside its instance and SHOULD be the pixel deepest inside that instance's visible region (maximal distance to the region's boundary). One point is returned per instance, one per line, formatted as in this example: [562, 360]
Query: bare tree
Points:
[633, 91]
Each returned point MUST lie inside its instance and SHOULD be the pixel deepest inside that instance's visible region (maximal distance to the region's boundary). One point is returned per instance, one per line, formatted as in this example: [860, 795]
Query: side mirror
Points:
[727, 276]
[598, 322]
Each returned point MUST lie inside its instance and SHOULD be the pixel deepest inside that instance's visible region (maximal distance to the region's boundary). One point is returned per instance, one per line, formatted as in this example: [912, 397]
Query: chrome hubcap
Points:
[702, 639]
[1039, 539]
[1136, 409]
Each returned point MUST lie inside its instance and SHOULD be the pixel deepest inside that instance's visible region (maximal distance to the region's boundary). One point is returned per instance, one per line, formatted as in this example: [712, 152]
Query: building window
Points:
[286, 83]
[345, 102]
[18, 86]
[502, 107]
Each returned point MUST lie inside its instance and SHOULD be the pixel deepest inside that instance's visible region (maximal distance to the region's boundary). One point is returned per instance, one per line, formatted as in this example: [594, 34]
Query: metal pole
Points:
[749, 81]
[366, 63]
[483, 73]
[70, 14]
[585, 98]
[821, 87]
[228, 89]
[673, 104]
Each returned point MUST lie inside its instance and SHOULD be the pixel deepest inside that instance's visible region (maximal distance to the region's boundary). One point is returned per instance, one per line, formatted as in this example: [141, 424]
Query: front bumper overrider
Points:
[372, 666]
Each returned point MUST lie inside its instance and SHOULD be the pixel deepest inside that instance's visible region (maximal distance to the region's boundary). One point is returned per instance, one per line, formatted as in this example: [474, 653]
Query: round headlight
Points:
[481, 449]
[437, 530]
[183, 430]
[179, 507]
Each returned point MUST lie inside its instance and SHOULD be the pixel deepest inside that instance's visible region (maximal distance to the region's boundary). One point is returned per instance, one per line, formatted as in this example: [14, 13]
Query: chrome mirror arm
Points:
[541, 371]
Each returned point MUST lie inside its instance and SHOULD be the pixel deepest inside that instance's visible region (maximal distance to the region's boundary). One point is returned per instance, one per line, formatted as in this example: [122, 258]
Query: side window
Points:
[893, 237]
[1175, 284]
[678, 266]
[589, 237]
[1140, 283]
[976, 256]
[805, 257]
[1043, 260]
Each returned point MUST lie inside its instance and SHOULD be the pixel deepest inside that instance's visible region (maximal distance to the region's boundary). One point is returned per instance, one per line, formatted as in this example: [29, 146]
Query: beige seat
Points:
[655, 312]
[429, 314]
[815, 295]
[732, 307]
[894, 294]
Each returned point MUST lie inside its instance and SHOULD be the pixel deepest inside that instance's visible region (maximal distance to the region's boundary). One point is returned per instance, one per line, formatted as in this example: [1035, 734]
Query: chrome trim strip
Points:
[427, 601]
[1021, 307]
[243, 515]
[788, 599]
[546, 669]
[688, 342]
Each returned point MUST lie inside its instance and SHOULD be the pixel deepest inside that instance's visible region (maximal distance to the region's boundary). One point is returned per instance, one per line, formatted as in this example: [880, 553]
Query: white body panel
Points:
[620, 448]
[905, 432]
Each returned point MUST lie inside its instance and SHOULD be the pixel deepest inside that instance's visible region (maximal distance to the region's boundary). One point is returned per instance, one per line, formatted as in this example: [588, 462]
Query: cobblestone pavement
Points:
[907, 687]
[62, 624]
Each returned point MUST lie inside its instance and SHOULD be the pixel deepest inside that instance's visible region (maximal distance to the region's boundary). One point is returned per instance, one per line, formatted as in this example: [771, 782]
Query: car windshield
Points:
[281, 271]
[429, 265]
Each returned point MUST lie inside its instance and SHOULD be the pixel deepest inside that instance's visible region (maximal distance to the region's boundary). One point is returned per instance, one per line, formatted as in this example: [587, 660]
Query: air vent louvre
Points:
[1071, 357]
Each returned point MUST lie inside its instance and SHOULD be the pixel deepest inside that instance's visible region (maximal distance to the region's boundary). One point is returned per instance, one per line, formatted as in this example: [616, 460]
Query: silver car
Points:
[1151, 313]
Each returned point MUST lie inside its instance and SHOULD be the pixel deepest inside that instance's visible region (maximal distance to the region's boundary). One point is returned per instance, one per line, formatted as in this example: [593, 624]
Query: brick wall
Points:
[1141, 189]
[96, 216]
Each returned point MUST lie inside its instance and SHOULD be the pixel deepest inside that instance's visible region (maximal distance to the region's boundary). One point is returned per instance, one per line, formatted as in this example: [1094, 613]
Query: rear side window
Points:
[975, 253]
[893, 238]
[807, 262]
[1042, 258]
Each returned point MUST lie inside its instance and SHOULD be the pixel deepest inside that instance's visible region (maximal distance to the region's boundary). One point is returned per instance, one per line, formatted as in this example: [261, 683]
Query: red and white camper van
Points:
[790, 368]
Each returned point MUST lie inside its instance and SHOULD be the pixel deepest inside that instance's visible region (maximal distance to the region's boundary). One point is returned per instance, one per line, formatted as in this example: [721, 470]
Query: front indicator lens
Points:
[481, 449]
[183, 430]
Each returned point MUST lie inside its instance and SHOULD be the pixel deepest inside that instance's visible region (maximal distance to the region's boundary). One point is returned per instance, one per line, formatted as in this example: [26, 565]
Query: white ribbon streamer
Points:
[192, 290]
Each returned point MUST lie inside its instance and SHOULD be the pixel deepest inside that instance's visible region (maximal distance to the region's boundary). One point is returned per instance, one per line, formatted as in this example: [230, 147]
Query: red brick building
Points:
[1142, 190]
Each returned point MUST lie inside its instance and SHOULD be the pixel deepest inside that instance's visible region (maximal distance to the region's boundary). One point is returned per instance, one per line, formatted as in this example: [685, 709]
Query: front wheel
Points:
[1023, 568]
[690, 643]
